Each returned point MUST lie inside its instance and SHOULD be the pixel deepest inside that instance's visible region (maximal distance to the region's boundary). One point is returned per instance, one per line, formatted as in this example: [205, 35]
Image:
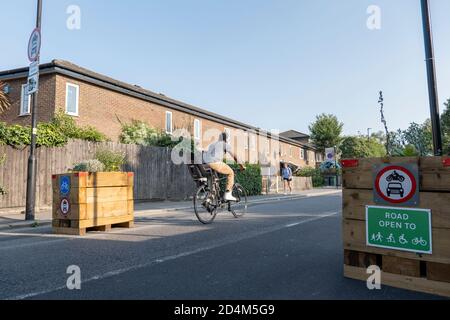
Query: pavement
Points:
[282, 249]
[15, 217]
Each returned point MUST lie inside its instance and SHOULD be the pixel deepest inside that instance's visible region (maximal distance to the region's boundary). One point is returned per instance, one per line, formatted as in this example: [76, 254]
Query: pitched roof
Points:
[292, 134]
[72, 70]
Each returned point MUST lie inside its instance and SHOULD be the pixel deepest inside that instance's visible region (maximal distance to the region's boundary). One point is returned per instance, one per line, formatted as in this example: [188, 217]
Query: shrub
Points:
[138, 132]
[112, 160]
[250, 179]
[49, 136]
[315, 174]
[89, 166]
[68, 127]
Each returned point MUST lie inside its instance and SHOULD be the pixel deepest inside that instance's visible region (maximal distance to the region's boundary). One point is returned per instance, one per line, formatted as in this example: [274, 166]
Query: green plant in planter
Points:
[89, 166]
[112, 160]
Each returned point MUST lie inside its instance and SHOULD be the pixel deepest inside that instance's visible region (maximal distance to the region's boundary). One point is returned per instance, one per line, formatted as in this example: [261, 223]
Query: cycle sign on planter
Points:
[396, 184]
[403, 229]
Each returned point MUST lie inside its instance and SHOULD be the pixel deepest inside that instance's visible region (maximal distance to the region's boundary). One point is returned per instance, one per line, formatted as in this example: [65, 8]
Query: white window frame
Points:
[77, 100]
[246, 141]
[197, 129]
[290, 152]
[302, 153]
[171, 122]
[22, 96]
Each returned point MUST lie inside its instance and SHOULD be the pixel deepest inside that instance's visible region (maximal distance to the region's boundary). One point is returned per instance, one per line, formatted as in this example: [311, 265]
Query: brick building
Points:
[96, 100]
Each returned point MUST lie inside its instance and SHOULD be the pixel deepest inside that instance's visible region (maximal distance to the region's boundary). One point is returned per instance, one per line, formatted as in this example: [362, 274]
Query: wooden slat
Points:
[403, 266]
[438, 271]
[354, 238]
[433, 175]
[401, 281]
[95, 210]
[355, 200]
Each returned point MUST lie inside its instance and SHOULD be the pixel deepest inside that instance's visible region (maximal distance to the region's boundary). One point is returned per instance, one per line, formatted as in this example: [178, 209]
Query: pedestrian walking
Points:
[286, 174]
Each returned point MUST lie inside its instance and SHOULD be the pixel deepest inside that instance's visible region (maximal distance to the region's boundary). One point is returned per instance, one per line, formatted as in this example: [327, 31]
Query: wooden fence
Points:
[156, 177]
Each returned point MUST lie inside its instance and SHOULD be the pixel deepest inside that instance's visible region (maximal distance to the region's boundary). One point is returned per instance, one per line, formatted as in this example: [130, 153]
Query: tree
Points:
[361, 147]
[445, 120]
[420, 136]
[326, 131]
[4, 102]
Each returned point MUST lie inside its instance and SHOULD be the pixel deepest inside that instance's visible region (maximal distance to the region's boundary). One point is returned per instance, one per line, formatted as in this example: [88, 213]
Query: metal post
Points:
[368, 134]
[335, 166]
[31, 175]
[431, 73]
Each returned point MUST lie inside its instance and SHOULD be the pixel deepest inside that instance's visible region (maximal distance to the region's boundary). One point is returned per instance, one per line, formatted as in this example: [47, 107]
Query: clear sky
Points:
[274, 64]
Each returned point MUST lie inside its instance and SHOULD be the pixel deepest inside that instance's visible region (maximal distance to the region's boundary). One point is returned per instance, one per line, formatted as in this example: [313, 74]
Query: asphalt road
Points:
[282, 250]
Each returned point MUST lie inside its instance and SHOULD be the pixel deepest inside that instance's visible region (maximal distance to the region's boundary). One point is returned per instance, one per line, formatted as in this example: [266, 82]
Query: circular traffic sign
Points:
[34, 45]
[65, 206]
[395, 184]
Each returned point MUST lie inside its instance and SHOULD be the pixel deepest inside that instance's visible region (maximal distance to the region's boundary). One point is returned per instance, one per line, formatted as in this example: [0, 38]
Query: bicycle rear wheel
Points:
[204, 206]
[239, 208]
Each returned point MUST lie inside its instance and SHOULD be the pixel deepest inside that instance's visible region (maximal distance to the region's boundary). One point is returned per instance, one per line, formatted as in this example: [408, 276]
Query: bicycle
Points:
[209, 197]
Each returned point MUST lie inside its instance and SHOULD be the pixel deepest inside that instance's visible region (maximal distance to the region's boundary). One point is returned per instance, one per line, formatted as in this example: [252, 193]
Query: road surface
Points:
[282, 250]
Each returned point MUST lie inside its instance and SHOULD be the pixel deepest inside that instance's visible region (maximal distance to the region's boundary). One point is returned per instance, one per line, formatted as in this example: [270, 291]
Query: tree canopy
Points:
[326, 131]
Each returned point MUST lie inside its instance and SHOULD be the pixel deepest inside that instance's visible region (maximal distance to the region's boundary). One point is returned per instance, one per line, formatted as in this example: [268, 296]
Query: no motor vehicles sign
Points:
[396, 184]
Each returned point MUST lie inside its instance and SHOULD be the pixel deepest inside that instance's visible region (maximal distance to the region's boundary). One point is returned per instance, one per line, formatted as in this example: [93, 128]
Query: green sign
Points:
[399, 228]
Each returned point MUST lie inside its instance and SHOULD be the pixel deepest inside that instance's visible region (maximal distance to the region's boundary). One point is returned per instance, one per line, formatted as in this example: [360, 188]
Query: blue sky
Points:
[273, 64]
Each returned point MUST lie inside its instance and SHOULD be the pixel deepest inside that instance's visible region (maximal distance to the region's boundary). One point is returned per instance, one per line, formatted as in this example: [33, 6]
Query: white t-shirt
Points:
[216, 152]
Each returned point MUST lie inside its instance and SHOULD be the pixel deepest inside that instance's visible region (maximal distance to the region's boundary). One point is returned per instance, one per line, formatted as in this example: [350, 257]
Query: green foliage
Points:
[49, 136]
[410, 151]
[67, 125]
[420, 136]
[250, 179]
[316, 175]
[326, 131]
[112, 160]
[89, 166]
[361, 147]
[445, 123]
[53, 134]
[138, 132]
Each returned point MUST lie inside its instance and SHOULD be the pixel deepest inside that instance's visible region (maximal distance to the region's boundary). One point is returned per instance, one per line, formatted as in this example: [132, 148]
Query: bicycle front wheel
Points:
[204, 206]
[239, 208]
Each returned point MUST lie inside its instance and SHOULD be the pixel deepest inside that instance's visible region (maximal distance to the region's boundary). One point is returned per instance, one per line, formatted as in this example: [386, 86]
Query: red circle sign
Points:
[395, 184]
[34, 45]
[65, 206]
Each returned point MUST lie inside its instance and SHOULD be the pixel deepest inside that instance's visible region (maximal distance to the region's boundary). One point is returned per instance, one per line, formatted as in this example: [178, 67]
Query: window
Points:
[25, 101]
[72, 99]
[197, 129]
[290, 151]
[302, 153]
[169, 127]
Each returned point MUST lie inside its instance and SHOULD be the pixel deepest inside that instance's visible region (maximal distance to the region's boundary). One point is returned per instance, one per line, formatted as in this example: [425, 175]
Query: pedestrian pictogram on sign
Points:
[396, 184]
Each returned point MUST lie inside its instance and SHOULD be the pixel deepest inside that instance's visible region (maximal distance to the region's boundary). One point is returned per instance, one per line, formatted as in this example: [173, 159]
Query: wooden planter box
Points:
[97, 201]
[428, 273]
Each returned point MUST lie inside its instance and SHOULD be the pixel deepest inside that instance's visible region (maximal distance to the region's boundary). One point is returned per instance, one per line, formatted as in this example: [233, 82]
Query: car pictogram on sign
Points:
[396, 184]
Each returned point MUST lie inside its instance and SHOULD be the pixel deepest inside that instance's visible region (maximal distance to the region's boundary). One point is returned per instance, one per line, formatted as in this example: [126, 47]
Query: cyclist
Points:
[215, 157]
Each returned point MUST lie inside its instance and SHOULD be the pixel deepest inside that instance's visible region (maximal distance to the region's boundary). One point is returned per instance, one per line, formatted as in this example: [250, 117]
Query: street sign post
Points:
[396, 184]
[404, 229]
[34, 50]
[330, 154]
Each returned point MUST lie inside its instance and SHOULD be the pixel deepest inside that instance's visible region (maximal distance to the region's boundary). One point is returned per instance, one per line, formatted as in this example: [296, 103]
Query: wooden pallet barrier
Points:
[402, 267]
[92, 201]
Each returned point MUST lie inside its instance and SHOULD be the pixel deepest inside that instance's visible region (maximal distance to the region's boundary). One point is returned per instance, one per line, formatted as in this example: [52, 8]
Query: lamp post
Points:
[31, 174]
[431, 75]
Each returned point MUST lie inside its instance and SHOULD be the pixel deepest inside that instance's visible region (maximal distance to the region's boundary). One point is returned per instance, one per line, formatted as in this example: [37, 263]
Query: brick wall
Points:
[46, 101]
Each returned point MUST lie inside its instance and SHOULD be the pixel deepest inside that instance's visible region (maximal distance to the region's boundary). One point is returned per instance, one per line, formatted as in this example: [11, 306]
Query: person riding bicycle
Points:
[215, 157]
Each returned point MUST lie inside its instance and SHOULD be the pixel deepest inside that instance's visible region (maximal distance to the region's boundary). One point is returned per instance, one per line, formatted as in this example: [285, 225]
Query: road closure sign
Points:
[404, 229]
[396, 184]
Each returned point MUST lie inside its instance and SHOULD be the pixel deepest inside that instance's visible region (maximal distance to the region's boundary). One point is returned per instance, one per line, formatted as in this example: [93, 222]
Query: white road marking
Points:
[176, 256]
